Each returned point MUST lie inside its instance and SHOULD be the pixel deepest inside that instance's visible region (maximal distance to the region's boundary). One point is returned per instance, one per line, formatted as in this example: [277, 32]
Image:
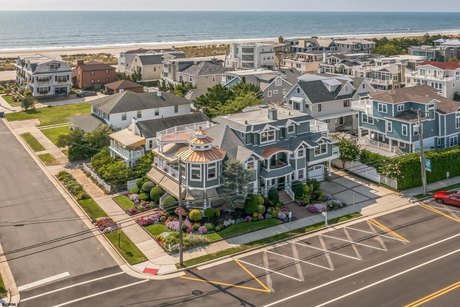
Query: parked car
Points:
[448, 198]
[86, 93]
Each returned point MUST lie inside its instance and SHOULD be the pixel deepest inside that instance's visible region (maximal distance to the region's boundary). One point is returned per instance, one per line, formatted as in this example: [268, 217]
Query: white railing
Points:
[163, 166]
[318, 126]
[187, 129]
[363, 105]
[379, 144]
[379, 81]
[162, 199]
[127, 154]
[430, 77]
[99, 180]
[289, 192]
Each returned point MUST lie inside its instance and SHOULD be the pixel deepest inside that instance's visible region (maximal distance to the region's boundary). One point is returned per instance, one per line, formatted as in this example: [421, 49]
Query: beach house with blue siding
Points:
[389, 120]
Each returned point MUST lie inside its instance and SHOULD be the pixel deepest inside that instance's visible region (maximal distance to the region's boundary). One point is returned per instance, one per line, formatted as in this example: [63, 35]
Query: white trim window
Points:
[123, 116]
[389, 126]
[275, 92]
[320, 107]
[269, 93]
[400, 107]
[301, 152]
[453, 141]
[457, 120]
[367, 119]
[291, 128]
[347, 103]
[404, 130]
[212, 171]
[250, 164]
[195, 172]
[267, 136]
[301, 174]
[278, 82]
[321, 149]
[383, 108]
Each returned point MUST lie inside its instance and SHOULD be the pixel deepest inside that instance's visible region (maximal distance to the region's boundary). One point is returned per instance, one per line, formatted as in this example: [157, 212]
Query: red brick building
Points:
[93, 75]
[122, 86]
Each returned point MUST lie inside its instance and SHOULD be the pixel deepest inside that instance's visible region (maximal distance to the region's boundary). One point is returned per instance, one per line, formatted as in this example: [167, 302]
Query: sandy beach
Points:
[116, 49]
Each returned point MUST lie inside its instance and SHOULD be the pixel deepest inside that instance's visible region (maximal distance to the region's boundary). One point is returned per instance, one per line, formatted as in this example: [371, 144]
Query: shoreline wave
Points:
[181, 43]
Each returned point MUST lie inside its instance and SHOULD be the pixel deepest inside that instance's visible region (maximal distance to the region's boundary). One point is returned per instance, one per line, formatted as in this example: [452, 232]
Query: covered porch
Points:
[127, 146]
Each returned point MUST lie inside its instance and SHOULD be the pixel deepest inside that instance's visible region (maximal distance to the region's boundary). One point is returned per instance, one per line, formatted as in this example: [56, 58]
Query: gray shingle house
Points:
[389, 119]
[328, 98]
[276, 144]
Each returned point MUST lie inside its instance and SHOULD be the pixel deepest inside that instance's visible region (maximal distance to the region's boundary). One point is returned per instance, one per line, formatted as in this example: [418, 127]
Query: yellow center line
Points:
[439, 212]
[385, 228]
[434, 295]
[265, 288]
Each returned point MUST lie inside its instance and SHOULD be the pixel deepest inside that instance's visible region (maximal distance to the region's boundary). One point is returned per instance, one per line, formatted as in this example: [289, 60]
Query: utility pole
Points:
[422, 153]
[179, 209]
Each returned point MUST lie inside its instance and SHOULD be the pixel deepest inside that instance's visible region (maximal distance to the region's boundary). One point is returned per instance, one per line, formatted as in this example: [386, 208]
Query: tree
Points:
[212, 101]
[102, 158]
[349, 150]
[28, 102]
[115, 173]
[83, 145]
[239, 103]
[182, 89]
[243, 87]
[236, 176]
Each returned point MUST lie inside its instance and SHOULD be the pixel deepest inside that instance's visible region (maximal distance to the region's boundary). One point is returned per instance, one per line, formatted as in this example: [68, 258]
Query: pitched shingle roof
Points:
[316, 91]
[420, 94]
[204, 68]
[130, 101]
[122, 84]
[94, 65]
[443, 65]
[149, 128]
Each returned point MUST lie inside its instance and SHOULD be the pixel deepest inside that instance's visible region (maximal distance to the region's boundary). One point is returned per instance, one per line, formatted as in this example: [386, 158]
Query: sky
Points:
[237, 5]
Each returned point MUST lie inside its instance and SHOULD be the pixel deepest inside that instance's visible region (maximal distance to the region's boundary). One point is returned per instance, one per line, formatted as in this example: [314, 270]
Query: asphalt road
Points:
[363, 266]
[42, 237]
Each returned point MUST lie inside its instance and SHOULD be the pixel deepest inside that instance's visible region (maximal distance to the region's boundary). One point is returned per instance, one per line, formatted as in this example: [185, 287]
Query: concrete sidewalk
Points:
[159, 261]
[6, 107]
[432, 186]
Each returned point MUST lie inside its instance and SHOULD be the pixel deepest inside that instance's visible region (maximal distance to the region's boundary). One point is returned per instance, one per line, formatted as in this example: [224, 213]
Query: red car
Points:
[448, 198]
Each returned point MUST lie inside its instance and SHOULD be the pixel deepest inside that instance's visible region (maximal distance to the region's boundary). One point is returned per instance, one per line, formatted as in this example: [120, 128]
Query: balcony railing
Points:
[430, 77]
[163, 166]
[181, 133]
[362, 106]
[127, 154]
[380, 82]
[318, 126]
[278, 164]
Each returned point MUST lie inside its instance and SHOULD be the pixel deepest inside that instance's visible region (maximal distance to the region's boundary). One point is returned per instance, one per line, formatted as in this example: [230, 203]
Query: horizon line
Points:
[230, 11]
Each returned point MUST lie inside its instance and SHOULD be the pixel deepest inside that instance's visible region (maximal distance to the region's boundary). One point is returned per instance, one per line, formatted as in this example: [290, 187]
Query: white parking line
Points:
[71, 286]
[103, 292]
[299, 260]
[43, 281]
[372, 233]
[362, 271]
[356, 243]
[326, 251]
[269, 270]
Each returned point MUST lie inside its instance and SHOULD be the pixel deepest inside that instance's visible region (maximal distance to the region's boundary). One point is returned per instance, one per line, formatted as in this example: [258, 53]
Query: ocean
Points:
[38, 29]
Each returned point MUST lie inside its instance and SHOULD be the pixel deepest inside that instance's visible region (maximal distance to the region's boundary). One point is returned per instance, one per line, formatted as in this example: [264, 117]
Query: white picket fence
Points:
[367, 172]
[99, 180]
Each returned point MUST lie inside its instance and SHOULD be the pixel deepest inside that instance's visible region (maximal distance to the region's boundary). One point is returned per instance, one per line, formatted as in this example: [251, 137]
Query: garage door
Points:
[316, 172]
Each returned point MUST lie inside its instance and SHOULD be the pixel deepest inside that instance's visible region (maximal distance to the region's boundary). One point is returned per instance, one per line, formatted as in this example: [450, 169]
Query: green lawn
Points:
[268, 240]
[126, 247]
[32, 141]
[157, 229]
[242, 228]
[124, 202]
[3, 291]
[9, 99]
[92, 208]
[51, 115]
[54, 133]
[48, 159]
[447, 188]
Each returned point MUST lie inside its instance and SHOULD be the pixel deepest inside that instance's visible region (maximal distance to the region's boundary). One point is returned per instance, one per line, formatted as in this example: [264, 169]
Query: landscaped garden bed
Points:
[208, 225]
[105, 224]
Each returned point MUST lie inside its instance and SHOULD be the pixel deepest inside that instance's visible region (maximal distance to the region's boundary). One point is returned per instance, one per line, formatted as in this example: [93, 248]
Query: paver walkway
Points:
[158, 258]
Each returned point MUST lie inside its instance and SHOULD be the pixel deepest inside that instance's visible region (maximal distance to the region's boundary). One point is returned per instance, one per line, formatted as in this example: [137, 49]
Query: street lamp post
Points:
[181, 242]
[422, 152]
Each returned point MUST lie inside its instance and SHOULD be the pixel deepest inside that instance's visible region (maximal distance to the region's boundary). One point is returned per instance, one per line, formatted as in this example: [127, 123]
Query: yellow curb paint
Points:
[439, 212]
[388, 230]
[434, 295]
[265, 288]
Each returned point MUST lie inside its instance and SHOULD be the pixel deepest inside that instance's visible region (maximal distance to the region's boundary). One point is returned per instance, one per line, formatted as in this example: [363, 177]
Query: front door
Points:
[281, 183]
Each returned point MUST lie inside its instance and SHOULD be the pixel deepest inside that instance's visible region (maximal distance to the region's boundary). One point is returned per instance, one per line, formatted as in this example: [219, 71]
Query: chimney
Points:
[80, 62]
[280, 40]
[272, 114]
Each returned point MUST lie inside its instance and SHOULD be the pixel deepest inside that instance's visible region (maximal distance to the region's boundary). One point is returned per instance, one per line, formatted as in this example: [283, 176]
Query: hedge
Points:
[407, 170]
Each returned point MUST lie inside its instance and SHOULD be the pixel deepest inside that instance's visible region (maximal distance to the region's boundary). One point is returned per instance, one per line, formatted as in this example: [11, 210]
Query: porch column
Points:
[390, 143]
[329, 174]
[360, 133]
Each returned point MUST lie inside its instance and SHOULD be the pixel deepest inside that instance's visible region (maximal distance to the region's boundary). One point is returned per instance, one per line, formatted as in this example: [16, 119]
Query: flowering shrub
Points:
[133, 197]
[173, 225]
[105, 224]
[202, 230]
[248, 219]
[268, 216]
[228, 222]
[335, 204]
[260, 217]
[316, 208]
[282, 216]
